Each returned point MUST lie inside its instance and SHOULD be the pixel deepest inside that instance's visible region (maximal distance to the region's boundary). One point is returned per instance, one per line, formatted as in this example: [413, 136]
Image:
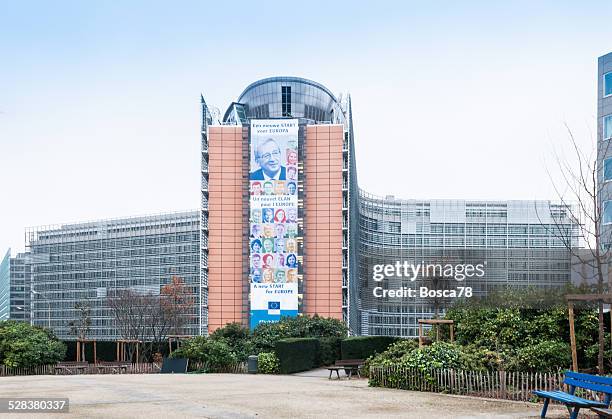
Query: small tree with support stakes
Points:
[79, 328]
[572, 299]
[80, 350]
[178, 339]
[582, 198]
[124, 354]
[436, 323]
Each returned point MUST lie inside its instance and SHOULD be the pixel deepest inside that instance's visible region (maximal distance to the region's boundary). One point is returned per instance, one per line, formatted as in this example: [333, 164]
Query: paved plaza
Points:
[308, 395]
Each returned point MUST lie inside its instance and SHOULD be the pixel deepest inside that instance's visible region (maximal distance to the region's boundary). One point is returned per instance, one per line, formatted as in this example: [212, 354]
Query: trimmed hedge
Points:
[329, 350]
[297, 354]
[362, 347]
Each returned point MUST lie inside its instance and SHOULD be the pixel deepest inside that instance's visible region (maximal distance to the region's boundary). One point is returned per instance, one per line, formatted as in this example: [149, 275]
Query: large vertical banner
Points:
[273, 183]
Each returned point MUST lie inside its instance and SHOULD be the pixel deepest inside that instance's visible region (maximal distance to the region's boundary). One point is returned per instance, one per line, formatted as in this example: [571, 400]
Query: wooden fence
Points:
[39, 370]
[140, 368]
[509, 385]
[239, 368]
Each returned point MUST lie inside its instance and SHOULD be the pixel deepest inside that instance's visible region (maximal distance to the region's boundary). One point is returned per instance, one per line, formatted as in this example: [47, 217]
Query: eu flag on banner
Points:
[274, 308]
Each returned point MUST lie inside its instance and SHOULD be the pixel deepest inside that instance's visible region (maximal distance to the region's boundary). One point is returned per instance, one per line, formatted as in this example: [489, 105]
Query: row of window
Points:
[411, 240]
[113, 243]
[119, 272]
[607, 212]
[124, 254]
[607, 120]
[472, 229]
[55, 234]
[371, 251]
[46, 283]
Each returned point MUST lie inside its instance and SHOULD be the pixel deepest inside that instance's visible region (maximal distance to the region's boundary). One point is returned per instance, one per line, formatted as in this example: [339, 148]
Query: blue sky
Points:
[99, 112]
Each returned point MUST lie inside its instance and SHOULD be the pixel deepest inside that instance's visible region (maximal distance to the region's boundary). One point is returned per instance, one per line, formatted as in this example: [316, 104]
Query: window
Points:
[607, 212]
[607, 169]
[286, 100]
[607, 127]
[607, 81]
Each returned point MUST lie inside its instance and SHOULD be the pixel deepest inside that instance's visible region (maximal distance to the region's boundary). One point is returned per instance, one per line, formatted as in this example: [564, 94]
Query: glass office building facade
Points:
[87, 262]
[21, 277]
[604, 145]
[15, 279]
[5, 286]
[515, 241]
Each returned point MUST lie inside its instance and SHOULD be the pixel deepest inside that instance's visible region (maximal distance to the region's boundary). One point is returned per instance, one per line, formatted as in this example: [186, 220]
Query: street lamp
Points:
[48, 307]
[23, 308]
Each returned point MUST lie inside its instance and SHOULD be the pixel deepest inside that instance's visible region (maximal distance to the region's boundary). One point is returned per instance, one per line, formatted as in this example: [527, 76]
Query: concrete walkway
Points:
[249, 396]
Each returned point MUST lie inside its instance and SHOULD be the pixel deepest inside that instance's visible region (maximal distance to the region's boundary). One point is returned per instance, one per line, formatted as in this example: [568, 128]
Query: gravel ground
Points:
[250, 396]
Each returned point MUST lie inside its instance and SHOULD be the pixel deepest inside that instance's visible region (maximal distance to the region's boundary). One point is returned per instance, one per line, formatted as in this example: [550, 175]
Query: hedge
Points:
[297, 354]
[362, 347]
[329, 350]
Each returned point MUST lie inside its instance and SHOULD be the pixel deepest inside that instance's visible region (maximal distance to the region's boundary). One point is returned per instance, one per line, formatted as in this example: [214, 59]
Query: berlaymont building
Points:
[284, 230]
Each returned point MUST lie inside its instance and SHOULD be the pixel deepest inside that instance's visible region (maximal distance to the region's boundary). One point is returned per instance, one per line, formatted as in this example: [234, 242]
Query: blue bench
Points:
[574, 403]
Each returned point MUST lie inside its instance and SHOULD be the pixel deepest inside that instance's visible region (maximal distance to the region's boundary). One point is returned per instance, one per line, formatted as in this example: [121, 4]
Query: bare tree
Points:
[582, 201]
[131, 310]
[170, 313]
[82, 325]
[151, 318]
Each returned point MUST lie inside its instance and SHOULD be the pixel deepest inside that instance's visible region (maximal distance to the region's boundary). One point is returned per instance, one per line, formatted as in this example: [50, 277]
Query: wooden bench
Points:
[332, 369]
[574, 403]
[114, 367]
[602, 413]
[348, 365]
[71, 367]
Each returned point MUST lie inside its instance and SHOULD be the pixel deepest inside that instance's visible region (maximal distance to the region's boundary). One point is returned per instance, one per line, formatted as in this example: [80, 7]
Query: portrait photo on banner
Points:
[273, 158]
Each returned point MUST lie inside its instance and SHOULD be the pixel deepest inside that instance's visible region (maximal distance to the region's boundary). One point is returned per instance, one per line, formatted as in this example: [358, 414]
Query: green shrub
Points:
[510, 326]
[297, 354]
[400, 348]
[468, 357]
[391, 356]
[329, 350]
[546, 325]
[505, 329]
[592, 351]
[22, 345]
[543, 356]
[214, 354]
[237, 337]
[437, 355]
[478, 358]
[468, 322]
[266, 335]
[267, 363]
[316, 326]
[362, 347]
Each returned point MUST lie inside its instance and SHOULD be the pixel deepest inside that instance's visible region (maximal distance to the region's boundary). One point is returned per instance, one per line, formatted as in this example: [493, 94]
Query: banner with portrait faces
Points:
[273, 188]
